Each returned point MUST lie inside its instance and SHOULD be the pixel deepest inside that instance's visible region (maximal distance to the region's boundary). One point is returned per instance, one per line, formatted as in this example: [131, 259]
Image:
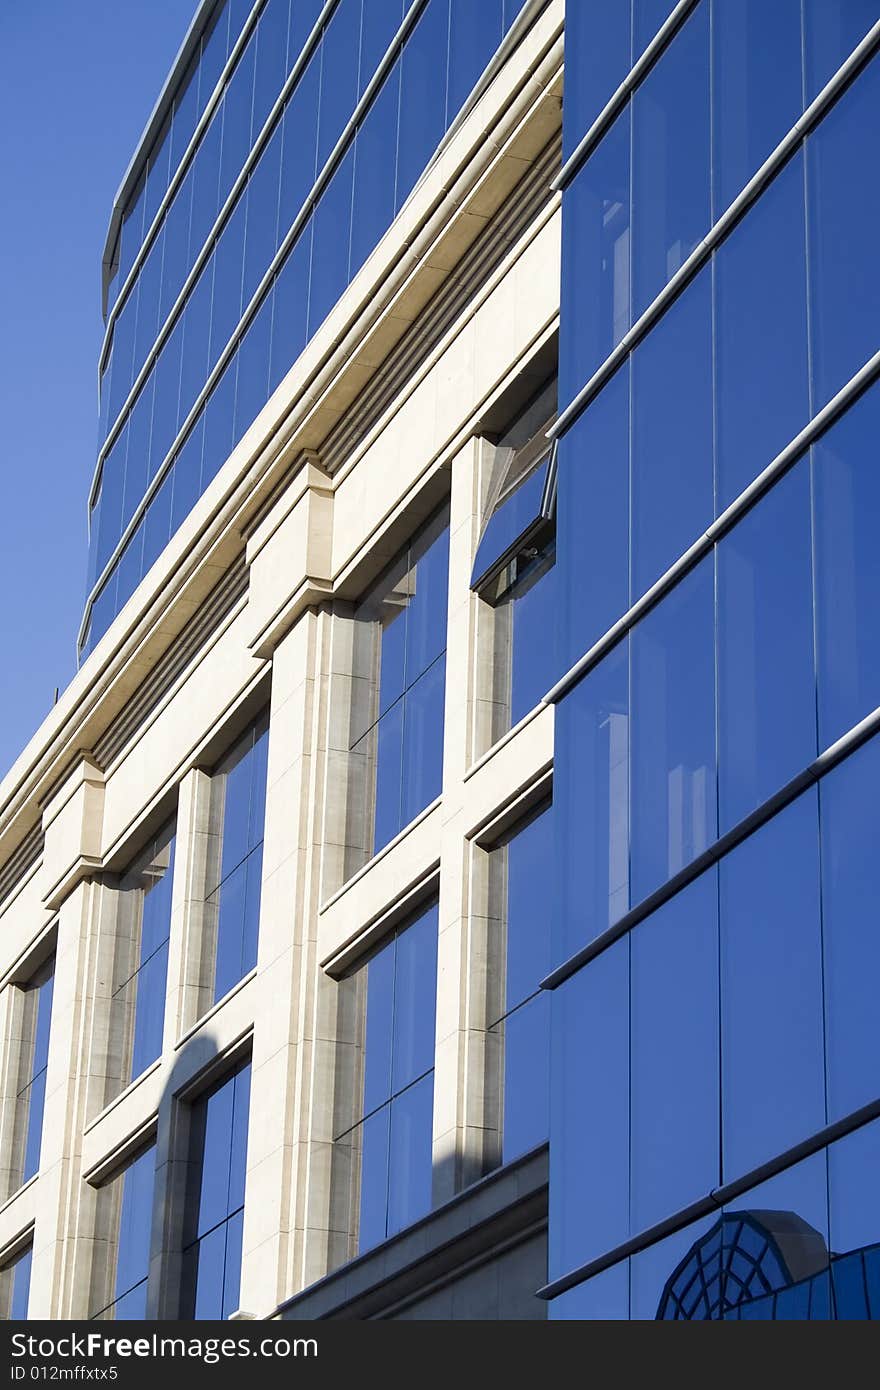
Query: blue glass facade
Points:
[295, 137]
[31, 1098]
[235, 881]
[146, 911]
[715, 1078]
[215, 1199]
[130, 1195]
[393, 1133]
[15, 1286]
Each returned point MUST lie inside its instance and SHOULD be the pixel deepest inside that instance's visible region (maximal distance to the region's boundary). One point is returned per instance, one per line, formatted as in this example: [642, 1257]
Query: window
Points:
[215, 1199]
[141, 960]
[514, 573]
[591, 792]
[773, 1083]
[15, 1286]
[400, 660]
[394, 1132]
[235, 874]
[766, 679]
[847, 502]
[674, 812]
[125, 1207]
[36, 1020]
[520, 1015]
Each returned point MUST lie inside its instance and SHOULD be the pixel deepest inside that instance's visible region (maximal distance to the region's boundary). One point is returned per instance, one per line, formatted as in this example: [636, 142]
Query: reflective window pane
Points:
[773, 1083]
[766, 678]
[409, 1156]
[597, 47]
[671, 160]
[674, 813]
[422, 95]
[833, 28]
[761, 334]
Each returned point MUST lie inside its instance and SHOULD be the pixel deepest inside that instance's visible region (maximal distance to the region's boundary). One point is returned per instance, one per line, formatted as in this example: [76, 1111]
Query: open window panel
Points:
[513, 572]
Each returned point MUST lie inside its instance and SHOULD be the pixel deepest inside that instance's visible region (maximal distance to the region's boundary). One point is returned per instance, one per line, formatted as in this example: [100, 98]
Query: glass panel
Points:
[379, 23]
[210, 1256]
[237, 106]
[157, 524]
[262, 216]
[380, 1013]
[330, 242]
[271, 68]
[671, 160]
[409, 1160]
[833, 29]
[291, 300]
[112, 488]
[206, 185]
[773, 1085]
[423, 727]
[648, 17]
[756, 70]
[591, 790]
[422, 95]
[228, 258]
[34, 1098]
[766, 677]
[528, 947]
[526, 1035]
[597, 48]
[651, 1282]
[187, 474]
[230, 901]
[375, 1137]
[427, 586]
[674, 1055]
[241, 1087]
[135, 1221]
[196, 340]
[149, 282]
[674, 812]
[761, 334]
[176, 261]
[375, 169]
[589, 1112]
[602, 1298]
[850, 883]
[232, 1268]
[595, 260]
[389, 775]
[137, 459]
[340, 47]
[300, 143]
[149, 1021]
[474, 34]
[593, 519]
[844, 211]
[21, 1285]
[212, 1129]
[219, 423]
[167, 396]
[534, 661]
[415, 992]
[854, 1201]
[847, 500]
[672, 447]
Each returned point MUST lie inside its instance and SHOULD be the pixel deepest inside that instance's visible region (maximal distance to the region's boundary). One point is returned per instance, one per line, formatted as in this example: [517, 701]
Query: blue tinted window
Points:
[474, 34]
[148, 289]
[206, 184]
[123, 354]
[271, 63]
[766, 679]
[167, 396]
[235, 892]
[589, 1112]
[650, 1269]
[252, 388]
[228, 258]
[340, 47]
[672, 422]
[674, 1055]
[595, 260]
[593, 520]
[262, 216]
[219, 415]
[844, 212]
[332, 227]
[591, 791]
[299, 143]
[137, 459]
[15, 1286]
[215, 1200]
[32, 1093]
[237, 106]
[422, 95]
[196, 340]
[850, 880]
[773, 1085]
[187, 474]
[375, 170]
[186, 112]
[847, 493]
[112, 489]
[833, 29]
[145, 901]
[674, 816]
[603, 1298]
[524, 1031]
[291, 306]
[534, 662]
[396, 1133]
[133, 1191]
[597, 52]
[407, 738]
[854, 1206]
[648, 17]
[756, 69]
[761, 334]
[176, 260]
[671, 160]
[380, 21]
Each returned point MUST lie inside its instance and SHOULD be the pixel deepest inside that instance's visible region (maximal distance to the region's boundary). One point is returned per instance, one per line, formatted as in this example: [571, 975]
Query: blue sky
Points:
[78, 79]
